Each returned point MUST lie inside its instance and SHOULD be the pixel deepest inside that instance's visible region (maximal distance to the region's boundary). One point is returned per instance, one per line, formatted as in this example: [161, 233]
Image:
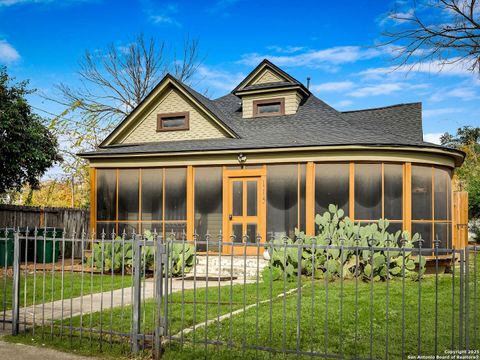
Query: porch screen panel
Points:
[421, 193]
[129, 228]
[178, 230]
[431, 205]
[393, 191]
[106, 228]
[106, 194]
[426, 231]
[368, 191]
[282, 200]
[175, 194]
[331, 186]
[128, 195]
[208, 201]
[303, 196]
[152, 194]
[442, 194]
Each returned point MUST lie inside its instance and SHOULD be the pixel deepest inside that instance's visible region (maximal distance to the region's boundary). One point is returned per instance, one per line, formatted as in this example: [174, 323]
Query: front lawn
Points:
[44, 288]
[335, 331]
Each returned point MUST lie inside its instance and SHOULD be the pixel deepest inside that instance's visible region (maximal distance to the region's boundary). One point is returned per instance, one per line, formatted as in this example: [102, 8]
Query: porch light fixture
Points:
[242, 158]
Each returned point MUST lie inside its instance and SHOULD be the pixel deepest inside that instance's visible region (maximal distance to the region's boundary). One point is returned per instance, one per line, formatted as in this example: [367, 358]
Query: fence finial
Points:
[370, 241]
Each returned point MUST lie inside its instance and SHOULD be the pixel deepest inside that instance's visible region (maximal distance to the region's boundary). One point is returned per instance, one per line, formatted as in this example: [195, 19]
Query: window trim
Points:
[161, 117]
[269, 101]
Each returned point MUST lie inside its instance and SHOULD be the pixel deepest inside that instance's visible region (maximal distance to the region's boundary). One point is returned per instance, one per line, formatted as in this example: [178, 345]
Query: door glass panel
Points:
[252, 198]
[237, 198]
[252, 233]
[237, 233]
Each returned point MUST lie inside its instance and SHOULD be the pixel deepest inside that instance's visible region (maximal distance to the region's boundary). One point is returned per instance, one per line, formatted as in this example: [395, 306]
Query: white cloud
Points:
[462, 93]
[6, 3]
[377, 89]
[451, 67]
[385, 88]
[396, 17]
[221, 6]
[315, 58]
[217, 80]
[164, 19]
[342, 103]
[286, 49]
[164, 16]
[8, 53]
[440, 111]
[332, 86]
[432, 137]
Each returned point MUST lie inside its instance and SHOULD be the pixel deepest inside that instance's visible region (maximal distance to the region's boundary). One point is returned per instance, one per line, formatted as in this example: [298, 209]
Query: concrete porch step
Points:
[238, 266]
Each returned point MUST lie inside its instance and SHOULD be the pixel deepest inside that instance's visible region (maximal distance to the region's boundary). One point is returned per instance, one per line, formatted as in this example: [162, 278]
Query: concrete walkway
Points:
[103, 301]
[26, 352]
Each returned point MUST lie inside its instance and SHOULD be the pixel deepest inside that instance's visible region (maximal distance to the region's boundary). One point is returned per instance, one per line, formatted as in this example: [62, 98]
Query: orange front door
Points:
[245, 210]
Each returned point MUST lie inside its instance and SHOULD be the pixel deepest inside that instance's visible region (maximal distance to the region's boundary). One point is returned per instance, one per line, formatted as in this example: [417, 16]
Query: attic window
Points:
[269, 107]
[173, 121]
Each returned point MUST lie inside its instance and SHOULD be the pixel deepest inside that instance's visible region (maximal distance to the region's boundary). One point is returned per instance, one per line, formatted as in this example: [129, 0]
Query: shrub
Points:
[106, 258]
[345, 260]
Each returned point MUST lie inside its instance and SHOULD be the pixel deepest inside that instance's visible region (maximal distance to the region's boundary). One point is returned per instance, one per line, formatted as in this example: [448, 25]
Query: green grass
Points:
[241, 329]
[38, 289]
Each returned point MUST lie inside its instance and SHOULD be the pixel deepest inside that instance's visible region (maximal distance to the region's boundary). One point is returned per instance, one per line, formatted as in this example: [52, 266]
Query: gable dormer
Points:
[269, 91]
[171, 112]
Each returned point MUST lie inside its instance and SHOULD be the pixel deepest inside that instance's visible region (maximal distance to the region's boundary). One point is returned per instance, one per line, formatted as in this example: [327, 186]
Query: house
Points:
[263, 160]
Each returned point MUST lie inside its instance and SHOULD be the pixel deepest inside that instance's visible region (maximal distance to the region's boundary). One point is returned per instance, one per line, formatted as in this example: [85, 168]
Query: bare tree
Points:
[113, 82]
[447, 31]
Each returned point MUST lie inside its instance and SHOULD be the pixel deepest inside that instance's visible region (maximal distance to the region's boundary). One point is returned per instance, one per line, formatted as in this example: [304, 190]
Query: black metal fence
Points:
[130, 294]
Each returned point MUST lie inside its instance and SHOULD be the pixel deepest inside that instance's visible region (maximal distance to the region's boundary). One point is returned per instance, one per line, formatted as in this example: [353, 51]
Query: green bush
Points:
[122, 254]
[347, 262]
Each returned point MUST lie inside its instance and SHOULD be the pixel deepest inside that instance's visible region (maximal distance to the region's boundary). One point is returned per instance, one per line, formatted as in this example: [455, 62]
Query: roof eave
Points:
[458, 155]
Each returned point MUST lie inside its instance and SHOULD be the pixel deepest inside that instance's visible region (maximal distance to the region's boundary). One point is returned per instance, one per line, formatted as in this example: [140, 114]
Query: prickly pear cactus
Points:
[366, 251]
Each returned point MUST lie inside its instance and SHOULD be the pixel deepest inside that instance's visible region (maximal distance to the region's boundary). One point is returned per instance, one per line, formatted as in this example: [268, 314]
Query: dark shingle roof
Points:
[314, 124]
[403, 120]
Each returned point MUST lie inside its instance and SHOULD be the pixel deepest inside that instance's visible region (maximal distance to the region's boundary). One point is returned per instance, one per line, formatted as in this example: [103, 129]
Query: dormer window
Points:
[269, 107]
[173, 121]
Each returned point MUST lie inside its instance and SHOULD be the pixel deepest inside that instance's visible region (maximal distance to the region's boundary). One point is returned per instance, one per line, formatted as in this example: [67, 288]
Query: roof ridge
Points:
[381, 107]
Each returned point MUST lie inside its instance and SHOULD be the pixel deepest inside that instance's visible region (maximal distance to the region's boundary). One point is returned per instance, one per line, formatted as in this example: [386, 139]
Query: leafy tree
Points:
[27, 147]
[467, 139]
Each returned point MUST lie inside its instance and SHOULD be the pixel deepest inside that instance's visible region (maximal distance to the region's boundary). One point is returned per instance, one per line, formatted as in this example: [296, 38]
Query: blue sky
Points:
[332, 42]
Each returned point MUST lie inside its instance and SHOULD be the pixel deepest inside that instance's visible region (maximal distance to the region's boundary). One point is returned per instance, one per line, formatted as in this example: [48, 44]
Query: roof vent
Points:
[308, 82]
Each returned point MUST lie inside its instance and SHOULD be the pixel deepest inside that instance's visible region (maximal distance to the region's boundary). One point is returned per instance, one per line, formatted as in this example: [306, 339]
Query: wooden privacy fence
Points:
[70, 219]
[460, 216]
